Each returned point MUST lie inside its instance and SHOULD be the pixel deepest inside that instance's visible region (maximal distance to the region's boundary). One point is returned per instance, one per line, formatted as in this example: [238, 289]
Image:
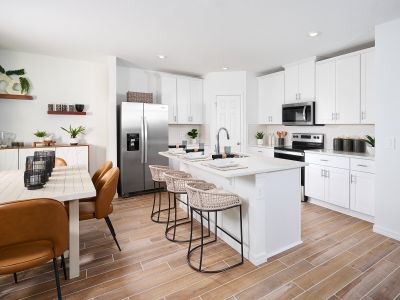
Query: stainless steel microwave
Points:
[298, 114]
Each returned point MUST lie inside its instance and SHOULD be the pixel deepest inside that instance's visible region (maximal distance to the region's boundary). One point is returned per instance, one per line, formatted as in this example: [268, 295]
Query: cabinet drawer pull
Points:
[365, 166]
[324, 159]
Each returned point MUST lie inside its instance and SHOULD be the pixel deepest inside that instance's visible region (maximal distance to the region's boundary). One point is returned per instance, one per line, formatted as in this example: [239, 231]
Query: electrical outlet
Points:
[390, 143]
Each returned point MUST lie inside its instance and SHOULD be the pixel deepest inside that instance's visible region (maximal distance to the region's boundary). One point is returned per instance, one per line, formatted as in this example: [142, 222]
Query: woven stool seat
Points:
[157, 172]
[205, 196]
[176, 181]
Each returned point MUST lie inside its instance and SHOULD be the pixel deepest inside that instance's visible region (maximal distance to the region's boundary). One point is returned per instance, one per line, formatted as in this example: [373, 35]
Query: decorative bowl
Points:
[79, 107]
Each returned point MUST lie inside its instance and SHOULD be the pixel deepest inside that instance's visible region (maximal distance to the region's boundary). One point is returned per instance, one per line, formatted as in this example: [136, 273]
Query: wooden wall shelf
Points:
[83, 113]
[16, 97]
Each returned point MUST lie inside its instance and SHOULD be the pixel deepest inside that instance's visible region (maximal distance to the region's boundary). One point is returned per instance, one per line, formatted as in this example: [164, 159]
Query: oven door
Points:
[297, 156]
[298, 113]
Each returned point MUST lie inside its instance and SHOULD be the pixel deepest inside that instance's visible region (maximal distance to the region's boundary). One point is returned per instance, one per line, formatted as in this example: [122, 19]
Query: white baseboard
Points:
[387, 232]
[343, 210]
[277, 251]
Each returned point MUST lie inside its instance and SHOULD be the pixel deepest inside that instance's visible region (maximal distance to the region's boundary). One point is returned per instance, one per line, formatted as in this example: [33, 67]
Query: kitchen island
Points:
[270, 190]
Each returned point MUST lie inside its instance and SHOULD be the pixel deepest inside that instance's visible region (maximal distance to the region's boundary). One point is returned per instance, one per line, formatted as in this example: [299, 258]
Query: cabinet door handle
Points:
[322, 173]
[299, 96]
[327, 173]
[352, 179]
[271, 119]
[333, 116]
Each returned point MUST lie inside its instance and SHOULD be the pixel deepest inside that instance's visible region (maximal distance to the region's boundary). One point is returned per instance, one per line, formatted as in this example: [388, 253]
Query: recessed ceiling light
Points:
[160, 56]
[313, 34]
[225, 68]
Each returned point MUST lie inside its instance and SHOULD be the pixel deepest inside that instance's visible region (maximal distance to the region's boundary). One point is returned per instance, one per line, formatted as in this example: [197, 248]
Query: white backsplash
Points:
[178, 133]
[329, 131]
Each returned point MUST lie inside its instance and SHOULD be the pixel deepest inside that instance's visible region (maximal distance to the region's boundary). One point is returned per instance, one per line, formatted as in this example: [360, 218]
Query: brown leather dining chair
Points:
[60, 162]
[100, 172]
[100, 207]
[32, 232]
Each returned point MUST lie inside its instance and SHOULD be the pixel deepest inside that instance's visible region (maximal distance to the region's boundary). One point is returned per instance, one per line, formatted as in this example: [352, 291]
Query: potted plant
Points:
[193, 134]
[40, 135]
[260, 137]
[73, 133]
[371, 143]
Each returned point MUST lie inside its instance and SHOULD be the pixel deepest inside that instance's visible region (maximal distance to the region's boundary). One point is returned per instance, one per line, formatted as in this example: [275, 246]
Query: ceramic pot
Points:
[194, 141]
[40, 140]
[260, 142]
[371, 150]
[47, 139]
[73, 141]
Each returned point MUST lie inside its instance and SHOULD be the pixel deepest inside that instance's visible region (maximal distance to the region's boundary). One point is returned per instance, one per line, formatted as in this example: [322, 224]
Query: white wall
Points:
[387, 63]
[330, 132]
[58, 80]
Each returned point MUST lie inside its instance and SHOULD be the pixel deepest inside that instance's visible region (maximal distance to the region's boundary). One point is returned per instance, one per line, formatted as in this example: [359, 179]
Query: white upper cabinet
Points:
[196, 101]
[169, 96]
[325, 93]
[368, 87]
[307, 81]
[291, 83]
[348, 86]
[300, 81]
[184, 97]
[271, 91]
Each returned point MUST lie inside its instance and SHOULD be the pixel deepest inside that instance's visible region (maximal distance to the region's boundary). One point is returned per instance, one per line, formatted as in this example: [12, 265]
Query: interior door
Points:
[229, 116]
[155, 119]
[131, 148]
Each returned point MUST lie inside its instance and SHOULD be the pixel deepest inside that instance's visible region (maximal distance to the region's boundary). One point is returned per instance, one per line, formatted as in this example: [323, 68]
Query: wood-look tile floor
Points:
[341, 258]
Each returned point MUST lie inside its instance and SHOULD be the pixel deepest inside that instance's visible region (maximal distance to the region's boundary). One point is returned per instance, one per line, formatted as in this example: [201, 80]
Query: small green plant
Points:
[260, 135]
[370, 140]
[193, 133]
[73, 132]
[40, 134]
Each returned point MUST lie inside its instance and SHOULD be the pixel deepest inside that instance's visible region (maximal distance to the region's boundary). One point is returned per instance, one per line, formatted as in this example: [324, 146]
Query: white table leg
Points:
[74, 239]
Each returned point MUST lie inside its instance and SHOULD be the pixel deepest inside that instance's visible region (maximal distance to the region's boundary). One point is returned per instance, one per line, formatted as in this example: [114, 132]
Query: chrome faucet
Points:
[227, 136]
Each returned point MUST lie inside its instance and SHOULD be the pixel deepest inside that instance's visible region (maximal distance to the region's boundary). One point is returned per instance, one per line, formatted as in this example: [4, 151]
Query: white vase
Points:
[40, 140]
[371, 150]
[73, 141]
[47, 139]
[194, 141]
[260, 142]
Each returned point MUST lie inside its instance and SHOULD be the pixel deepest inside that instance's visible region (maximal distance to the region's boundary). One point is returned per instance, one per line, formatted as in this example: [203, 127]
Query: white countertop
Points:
[254, 164]
[342, 153]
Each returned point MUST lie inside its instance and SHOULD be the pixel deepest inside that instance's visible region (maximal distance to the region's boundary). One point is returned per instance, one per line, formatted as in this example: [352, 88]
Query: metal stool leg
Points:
[241, 232]
[57, 278]
[201, 241]
[159, 202]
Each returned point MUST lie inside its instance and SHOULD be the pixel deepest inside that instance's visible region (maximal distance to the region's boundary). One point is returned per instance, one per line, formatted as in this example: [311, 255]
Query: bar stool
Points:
[176, 184]
[205, 197]
[157, 174]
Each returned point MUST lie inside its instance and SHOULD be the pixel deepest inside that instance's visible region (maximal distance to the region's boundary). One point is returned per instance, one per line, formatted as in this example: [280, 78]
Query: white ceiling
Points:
[198, 36]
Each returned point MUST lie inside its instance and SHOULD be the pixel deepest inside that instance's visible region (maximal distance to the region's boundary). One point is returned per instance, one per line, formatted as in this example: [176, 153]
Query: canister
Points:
[359, 146]
[338, 144]
[348, 145]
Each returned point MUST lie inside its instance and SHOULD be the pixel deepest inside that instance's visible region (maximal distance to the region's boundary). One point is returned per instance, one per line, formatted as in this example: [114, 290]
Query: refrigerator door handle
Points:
[145, 140]
[142, 140]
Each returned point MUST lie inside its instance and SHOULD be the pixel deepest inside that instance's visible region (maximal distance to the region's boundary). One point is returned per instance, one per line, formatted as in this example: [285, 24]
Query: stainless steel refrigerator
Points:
[142, 133]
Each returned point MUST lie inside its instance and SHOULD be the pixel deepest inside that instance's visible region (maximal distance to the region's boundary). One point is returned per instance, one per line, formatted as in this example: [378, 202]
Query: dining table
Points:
[66, 184]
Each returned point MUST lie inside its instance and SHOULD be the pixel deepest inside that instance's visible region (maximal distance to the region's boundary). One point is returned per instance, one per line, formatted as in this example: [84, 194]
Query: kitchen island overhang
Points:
[270, 190]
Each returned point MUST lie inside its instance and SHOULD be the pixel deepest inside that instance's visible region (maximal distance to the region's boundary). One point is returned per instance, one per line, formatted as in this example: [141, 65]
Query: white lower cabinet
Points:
[23, 153]
[337, 187]
[315, 182]
[8, 159]
[362, 192]
[14, 159]
[328, 184]
[74, 156]
[342, 181]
